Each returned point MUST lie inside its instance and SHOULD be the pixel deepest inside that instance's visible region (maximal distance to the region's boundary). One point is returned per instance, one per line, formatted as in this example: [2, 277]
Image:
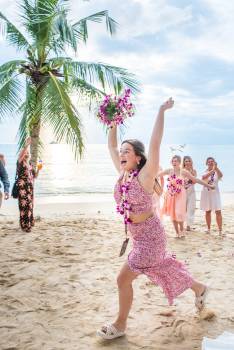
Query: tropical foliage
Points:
[40, 86]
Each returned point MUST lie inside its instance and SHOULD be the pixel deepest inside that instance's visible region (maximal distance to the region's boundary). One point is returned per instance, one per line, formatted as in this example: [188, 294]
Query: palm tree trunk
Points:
[35, 133]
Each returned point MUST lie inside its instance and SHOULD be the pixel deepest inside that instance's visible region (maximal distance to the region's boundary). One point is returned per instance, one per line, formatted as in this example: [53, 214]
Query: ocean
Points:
[95, 174]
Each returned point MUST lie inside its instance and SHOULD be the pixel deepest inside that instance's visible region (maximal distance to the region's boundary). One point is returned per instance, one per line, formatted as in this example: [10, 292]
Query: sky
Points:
[176, 48]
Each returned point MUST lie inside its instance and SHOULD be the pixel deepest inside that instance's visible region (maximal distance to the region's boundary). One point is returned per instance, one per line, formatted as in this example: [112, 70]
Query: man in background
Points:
[4, 179]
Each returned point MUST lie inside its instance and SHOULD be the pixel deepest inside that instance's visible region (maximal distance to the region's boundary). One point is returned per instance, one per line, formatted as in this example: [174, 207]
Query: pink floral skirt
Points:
[149, 257]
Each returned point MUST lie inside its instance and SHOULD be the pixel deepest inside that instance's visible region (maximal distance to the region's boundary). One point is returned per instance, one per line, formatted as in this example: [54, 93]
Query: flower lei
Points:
[175, 185]
[211, 181]
[187, 183]
[124, 207]
[115, 109]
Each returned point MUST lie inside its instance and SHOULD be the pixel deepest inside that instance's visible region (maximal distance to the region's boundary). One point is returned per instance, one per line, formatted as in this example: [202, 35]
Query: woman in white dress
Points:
[210, 199]
[190, 192]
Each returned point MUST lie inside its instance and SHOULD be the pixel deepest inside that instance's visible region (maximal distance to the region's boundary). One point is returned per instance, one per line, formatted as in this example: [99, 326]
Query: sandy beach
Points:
[58, 283]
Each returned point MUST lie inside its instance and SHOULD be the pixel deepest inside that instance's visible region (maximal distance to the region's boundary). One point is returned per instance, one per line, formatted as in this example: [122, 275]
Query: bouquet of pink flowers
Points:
[175, 185]
[114, 110]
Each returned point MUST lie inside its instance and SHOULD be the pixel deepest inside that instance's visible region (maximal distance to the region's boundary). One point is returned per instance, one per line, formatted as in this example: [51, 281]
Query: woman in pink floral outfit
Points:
[26, 175]
[133, 194]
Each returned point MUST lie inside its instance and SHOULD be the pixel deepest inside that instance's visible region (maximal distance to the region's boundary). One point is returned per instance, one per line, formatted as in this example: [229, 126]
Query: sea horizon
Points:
[95, 174]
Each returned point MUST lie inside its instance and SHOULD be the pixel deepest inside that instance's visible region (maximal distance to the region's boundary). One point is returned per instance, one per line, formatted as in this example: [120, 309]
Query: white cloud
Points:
[165, 66]
[216, 33]
[152, 17]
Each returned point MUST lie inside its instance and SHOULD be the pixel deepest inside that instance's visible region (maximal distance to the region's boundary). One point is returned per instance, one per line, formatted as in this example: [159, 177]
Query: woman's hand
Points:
[168, 104]
[211, 187]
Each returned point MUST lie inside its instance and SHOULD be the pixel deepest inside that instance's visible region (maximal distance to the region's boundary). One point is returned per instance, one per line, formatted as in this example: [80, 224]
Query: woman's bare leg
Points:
[198, 288]
[124, 281]
[219, 220]
[208, 219]
[175, 223]
[181, 225]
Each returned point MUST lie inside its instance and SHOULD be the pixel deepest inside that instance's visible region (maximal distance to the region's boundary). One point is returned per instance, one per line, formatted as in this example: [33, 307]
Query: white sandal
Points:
[200, 301]
[111, 332]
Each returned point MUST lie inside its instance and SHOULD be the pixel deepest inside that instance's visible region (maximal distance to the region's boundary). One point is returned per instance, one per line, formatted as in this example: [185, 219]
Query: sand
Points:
[58, 283]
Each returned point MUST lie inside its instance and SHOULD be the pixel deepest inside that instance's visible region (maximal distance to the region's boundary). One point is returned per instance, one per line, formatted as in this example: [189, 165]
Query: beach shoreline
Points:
[86, 204]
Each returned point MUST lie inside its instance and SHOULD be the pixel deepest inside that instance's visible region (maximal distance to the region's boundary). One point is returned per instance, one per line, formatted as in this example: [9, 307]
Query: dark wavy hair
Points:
[139, 150]
[209, 159]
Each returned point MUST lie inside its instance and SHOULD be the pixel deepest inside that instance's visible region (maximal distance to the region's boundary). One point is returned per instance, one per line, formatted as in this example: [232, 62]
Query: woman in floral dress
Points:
[133, 194]
[175, 197]
[26, 175]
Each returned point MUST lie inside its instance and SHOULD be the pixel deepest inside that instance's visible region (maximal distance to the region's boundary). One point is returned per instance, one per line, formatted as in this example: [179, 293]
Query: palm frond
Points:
[12, 34]
[28, 109]
[10, 67]
[62, 34]
[86, 92]
[10, 96]
[39, 18]
[114, 77]
[81, 27]
[28, 12]
[61, 115]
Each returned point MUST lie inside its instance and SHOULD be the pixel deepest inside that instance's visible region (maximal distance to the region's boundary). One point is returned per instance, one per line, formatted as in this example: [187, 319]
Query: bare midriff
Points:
[138, 218]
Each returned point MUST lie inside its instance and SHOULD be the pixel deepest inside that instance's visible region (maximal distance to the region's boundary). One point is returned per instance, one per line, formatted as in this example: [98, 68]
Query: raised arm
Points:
[152, 165]
[207, 174]
[24, 149]
[113, 147]
[218, 171]
[194, 179]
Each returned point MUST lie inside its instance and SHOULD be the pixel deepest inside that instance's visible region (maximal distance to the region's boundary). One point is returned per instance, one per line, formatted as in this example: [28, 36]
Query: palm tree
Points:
[46, 78]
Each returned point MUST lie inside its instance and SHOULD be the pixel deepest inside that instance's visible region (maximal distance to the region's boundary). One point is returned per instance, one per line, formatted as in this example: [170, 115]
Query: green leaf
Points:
[81, 27]
[115, 77]
[86, 92]
[51, 33]
[8, 68]
[10, 96]
[61, 115]
[12, 34]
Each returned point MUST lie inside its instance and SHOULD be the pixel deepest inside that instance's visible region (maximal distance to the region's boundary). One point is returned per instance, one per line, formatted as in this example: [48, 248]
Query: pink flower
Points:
[21, 182]
[22, 192]
[23, 202]
[115, 110]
